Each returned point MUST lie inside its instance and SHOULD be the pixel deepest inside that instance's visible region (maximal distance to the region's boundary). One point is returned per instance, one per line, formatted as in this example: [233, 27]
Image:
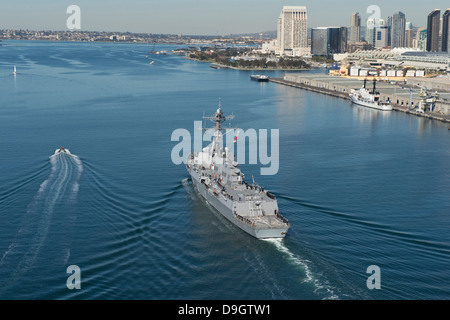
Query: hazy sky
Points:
[197, 16]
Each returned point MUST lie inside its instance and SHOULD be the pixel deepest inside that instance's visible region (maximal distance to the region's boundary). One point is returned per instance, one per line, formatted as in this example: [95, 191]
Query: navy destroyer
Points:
[216, 176]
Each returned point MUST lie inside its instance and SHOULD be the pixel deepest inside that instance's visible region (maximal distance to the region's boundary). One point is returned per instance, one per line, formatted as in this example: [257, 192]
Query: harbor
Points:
[404, 98]
[357, 186]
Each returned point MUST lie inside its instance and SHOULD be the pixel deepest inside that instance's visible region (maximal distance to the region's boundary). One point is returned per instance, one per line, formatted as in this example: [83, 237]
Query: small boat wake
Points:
[60, 189]
[322, 287]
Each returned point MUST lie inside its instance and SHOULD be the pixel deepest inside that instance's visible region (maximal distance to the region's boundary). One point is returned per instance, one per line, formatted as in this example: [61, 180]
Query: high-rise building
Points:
[381, 37]
[343, 37]
[328, 41]
[446, 31]
[292, 26]
[355, 28]
[398, 30]
[319, 41]
[380, 34]
[433, 25]
[292, 33]
[370, 31]
[409, 35]
[333, 40]
[389, 25]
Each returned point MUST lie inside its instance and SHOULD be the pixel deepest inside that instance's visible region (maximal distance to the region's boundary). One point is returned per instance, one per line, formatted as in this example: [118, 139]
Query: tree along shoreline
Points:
[224, 61]
[222, 66]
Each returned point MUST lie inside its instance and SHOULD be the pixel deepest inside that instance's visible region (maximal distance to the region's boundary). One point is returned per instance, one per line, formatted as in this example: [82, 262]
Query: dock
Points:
[400, 96]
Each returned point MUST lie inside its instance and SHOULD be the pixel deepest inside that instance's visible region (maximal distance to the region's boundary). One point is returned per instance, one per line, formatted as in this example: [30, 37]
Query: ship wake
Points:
[322, 287]
[60, 189]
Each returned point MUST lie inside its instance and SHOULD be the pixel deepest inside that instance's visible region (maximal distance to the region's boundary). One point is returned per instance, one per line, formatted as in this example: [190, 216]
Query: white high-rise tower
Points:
[293, 31]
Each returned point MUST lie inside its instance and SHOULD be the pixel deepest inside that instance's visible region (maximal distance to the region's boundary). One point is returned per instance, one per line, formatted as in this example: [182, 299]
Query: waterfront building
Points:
[292, 33]
[326, 41]
[429, 60]
[319, 41]
[333, 40]
[399, 58]
[293, 38]
[271, 47]
[355, 28]
[398, 30]
[433, 25]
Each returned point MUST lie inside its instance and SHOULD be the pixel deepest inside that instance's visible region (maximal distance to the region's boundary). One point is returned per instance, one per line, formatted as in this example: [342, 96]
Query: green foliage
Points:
[225, 57]
[322, 59]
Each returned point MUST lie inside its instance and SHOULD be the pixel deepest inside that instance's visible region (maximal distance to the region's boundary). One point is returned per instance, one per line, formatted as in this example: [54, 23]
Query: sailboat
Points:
[15, 71]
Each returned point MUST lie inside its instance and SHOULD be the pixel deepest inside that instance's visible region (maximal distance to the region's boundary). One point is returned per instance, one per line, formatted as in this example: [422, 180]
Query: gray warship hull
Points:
[226, 210]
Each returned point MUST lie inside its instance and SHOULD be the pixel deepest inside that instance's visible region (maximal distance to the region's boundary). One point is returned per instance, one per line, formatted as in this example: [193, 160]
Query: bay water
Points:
[360, 187]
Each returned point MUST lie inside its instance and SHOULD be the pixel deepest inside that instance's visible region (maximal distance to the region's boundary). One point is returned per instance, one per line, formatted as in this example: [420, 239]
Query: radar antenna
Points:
[218, 118]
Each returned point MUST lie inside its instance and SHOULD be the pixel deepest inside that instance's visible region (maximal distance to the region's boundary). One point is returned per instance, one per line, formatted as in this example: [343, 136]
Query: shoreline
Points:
[396, 107]
[223, 66]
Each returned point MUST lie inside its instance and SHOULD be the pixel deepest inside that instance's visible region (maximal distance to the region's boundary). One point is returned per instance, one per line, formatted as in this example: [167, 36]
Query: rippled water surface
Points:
[359, 187]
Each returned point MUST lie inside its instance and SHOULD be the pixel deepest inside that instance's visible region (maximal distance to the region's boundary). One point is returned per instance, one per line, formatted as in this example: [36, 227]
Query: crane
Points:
[427, 99]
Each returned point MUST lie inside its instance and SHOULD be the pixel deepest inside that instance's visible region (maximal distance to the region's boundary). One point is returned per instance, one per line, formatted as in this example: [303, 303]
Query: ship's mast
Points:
[218, 118]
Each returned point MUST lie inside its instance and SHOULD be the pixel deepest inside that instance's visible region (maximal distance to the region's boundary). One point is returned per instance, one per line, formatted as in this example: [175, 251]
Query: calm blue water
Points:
[360, 187]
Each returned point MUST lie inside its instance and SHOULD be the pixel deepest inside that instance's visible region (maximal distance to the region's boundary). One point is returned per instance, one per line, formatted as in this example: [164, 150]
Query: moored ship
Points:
[259, 77]
[364, 97]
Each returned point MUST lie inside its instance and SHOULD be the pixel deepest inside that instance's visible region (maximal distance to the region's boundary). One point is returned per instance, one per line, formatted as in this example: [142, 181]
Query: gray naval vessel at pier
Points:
[217, 178]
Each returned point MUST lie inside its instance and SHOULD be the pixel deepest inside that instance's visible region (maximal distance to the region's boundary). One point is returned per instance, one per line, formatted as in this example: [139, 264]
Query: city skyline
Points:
[204, 17]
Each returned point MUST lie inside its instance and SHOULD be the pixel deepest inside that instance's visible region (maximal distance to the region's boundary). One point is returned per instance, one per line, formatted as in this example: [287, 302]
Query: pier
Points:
[402, 98]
